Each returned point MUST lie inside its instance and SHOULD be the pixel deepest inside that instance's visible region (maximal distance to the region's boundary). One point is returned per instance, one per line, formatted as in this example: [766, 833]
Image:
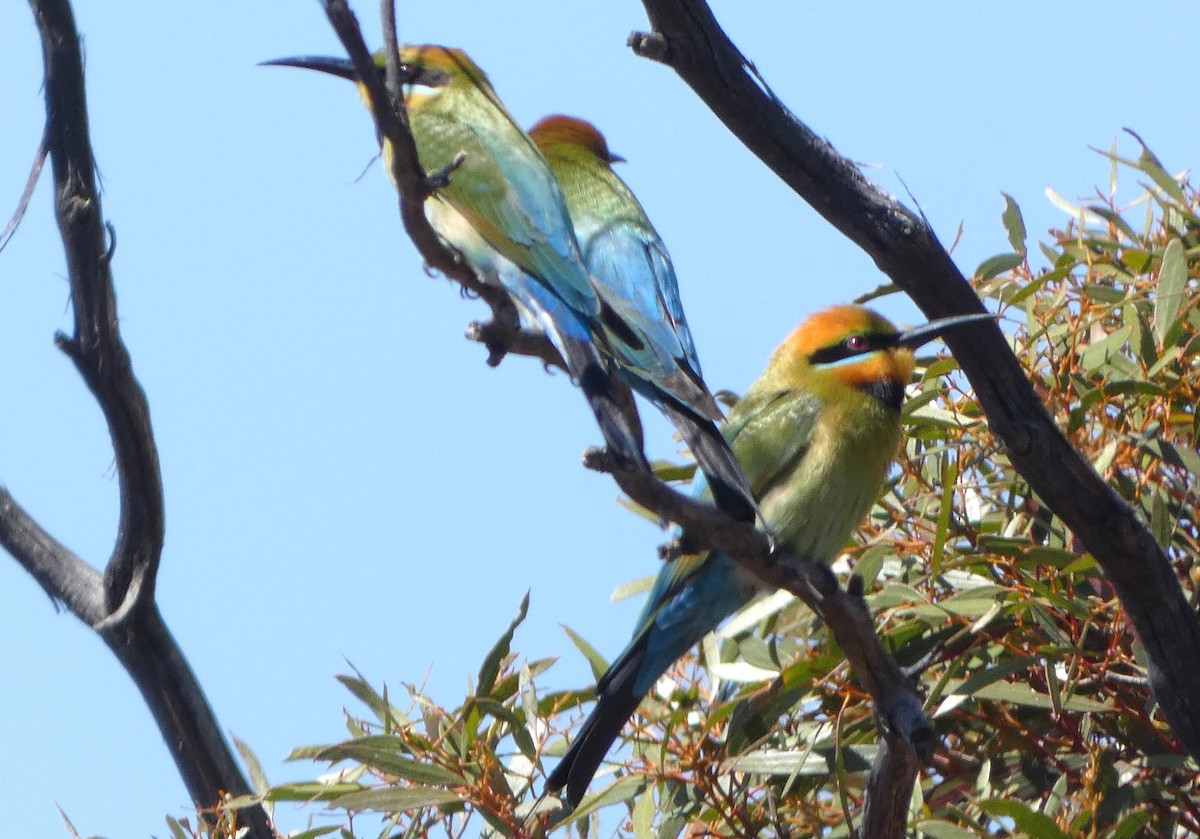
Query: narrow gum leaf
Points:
[490, 668]
[1013, 223]
[1172, 278]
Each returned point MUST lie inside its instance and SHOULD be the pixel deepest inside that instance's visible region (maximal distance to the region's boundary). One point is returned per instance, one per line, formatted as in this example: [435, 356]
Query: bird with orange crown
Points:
[815, 435]
[505, 211]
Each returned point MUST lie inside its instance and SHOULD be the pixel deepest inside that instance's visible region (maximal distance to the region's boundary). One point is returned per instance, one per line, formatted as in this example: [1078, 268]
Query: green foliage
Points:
[1031, 673]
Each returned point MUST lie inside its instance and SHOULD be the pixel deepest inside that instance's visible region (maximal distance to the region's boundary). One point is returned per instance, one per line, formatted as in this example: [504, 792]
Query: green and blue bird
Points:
[815, 434]
[505, 212]
[633, 272]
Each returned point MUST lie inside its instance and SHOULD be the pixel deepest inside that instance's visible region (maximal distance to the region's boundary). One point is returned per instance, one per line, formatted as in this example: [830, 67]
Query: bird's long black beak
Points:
[343, 68]
[919, 335]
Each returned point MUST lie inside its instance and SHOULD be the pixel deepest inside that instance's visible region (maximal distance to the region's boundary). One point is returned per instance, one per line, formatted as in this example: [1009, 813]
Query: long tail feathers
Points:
[730, 489]
[617, 417]
[571, 334]
[713, 593]
[613, 709]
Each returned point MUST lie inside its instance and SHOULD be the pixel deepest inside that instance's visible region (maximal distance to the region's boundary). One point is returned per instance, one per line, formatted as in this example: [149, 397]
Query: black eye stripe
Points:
[870, 342]
[425, 76]
[430, 77]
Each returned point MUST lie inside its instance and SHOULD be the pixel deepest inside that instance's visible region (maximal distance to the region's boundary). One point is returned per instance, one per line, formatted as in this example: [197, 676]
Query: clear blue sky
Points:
[345, 478]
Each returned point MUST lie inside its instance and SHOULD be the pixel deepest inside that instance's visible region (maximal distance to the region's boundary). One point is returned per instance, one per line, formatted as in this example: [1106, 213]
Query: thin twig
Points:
[35, 172]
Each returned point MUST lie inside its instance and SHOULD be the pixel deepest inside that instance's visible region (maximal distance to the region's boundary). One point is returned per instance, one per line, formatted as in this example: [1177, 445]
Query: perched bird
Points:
[504, 211]
[633, 273]
[815, 434]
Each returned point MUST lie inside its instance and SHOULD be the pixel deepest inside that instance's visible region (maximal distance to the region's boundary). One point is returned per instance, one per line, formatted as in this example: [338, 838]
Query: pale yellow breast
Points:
[815, 507]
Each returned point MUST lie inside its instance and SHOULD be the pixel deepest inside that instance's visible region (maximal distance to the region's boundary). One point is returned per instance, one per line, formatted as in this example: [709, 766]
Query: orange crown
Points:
[560, 130]
[828, 328]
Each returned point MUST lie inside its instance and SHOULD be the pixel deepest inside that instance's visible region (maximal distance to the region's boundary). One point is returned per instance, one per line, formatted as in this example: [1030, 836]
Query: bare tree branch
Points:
[65, 577]
[890, 787]
[96, 346]
[687, 38]
[147, 650]
[119, 605]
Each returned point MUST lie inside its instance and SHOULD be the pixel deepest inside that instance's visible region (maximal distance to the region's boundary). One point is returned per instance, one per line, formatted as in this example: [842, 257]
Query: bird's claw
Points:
[671, 550]
[441, 178]
[681, 545]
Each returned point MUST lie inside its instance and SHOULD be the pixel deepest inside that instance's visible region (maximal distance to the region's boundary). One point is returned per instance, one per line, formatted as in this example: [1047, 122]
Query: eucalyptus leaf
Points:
[596, 661]
[395, 799]
[1000, 263]
[492, 662]
[1014, 224]
[1168, 299]
[1036, 825]
[941, 829]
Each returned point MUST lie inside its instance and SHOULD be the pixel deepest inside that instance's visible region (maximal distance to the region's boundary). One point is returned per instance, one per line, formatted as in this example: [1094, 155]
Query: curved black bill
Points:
[919, 335]
[343, 68]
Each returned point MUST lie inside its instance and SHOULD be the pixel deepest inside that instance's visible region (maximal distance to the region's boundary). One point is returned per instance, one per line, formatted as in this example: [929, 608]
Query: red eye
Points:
[857, 343]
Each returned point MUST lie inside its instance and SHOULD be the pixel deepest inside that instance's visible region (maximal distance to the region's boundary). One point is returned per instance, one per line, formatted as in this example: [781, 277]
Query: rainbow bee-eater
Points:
[815, 434]
[633, 273]
[503, 209]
